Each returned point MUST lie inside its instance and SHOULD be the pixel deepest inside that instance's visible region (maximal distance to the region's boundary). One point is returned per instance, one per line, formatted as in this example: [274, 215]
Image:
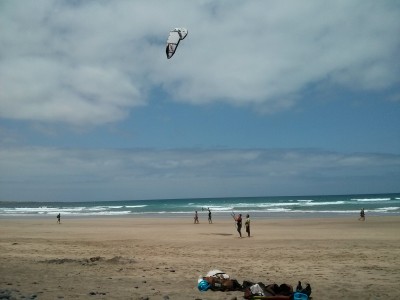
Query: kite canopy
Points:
[175, 36]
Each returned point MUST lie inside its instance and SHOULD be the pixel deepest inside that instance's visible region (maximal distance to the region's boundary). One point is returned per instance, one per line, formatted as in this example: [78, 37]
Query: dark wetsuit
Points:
[239, 225]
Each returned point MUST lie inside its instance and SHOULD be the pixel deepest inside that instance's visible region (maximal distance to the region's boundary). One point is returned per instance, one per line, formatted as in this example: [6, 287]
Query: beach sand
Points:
[162, 258]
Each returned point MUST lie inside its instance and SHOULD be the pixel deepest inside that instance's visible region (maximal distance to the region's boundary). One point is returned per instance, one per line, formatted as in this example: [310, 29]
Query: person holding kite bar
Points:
[238, 220]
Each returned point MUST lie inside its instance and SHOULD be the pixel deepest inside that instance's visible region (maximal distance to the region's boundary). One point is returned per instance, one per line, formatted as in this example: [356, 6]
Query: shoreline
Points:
[203, 215]
[282, 207]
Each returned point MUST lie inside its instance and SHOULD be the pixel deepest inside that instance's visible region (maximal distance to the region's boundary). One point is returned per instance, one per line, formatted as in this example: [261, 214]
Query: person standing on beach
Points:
[196, 218]
[362, 215]
[209, 216]
[238, 220]
[247, 224]
[58, 219]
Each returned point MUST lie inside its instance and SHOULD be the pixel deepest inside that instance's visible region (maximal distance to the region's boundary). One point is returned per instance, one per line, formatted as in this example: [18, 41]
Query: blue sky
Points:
[262, 98]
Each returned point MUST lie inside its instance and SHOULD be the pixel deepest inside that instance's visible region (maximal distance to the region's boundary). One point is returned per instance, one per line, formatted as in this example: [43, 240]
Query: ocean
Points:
[257, 207]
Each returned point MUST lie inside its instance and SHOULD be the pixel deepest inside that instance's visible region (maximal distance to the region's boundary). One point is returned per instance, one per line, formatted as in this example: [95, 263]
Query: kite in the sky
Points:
[175, 36]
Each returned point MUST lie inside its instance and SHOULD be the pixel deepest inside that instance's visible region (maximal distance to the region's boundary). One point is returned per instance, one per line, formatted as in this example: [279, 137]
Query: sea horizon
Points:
[383, 204]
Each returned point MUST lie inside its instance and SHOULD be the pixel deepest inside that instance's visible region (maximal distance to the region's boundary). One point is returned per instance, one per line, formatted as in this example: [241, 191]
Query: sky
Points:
[262, 98]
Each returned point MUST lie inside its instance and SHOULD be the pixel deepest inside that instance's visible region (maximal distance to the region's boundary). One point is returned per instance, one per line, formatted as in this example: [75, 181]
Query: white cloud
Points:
[73, 174]
[88, 62]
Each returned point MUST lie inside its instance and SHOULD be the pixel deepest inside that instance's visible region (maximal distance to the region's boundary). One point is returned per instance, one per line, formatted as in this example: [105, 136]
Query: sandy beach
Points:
[162, 258]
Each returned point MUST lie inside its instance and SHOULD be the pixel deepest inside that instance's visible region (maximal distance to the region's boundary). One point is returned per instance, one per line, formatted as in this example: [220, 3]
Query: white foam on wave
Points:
[123, 212]
[289, 204]
[328, 211]
[265, 205]
[302, 203]
[45, 208]
[40, 210]
[370, 199]
[278, 210]
[323, 203]
[101, 213]
[219, 208]
[104, 207]
[384, 209]
[278, 204]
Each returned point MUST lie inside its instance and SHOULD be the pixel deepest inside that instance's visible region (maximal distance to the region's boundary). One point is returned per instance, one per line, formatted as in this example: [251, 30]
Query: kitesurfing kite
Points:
[175, 36]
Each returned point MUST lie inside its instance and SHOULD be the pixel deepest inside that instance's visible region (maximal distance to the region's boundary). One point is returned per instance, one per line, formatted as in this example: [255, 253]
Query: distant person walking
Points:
[238, 220]
[247, 224]
[58, 219]
[196, 218]
[362, 215]
[209, 216]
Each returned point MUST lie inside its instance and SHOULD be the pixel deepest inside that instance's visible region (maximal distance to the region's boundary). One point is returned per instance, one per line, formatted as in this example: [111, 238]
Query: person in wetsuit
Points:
[238, 220]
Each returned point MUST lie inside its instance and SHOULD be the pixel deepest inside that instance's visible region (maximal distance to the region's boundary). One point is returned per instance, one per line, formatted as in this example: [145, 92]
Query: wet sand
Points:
[162, 258]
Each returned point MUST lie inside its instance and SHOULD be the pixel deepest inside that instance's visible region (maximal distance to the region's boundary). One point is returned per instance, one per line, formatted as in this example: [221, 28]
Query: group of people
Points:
[196, 217]
[237, 218]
